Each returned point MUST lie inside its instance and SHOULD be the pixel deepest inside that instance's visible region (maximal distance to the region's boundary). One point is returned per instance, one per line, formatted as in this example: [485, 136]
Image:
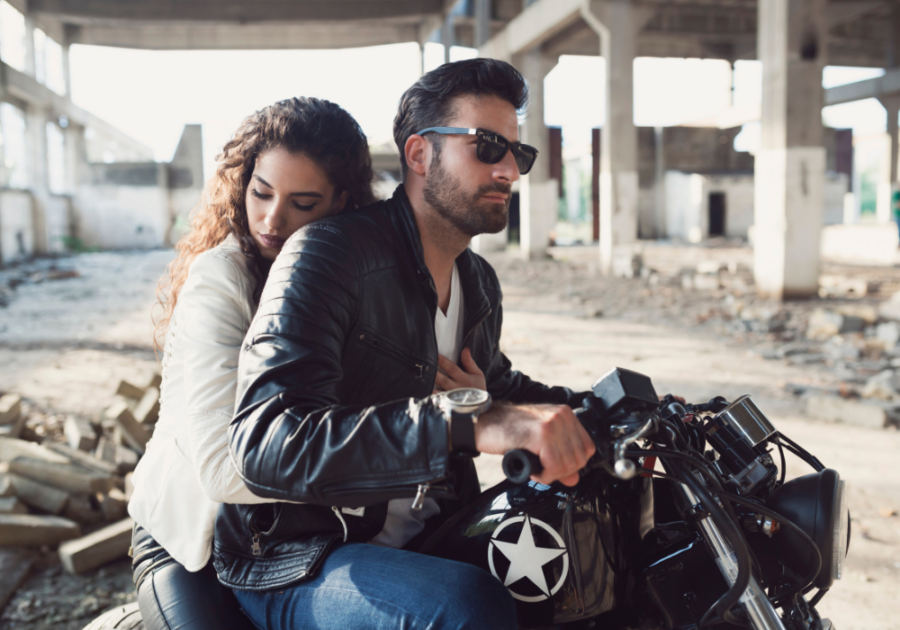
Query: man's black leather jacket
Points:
[334, 409]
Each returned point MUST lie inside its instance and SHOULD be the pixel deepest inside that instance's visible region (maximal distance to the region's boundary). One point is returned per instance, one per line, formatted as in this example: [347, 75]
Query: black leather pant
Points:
[173, 598]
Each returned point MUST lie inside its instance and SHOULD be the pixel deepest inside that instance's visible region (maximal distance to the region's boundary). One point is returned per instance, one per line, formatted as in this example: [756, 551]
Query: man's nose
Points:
[507, 169]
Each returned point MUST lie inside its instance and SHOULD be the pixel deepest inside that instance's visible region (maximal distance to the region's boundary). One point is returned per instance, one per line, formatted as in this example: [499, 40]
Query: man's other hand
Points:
[454, 377]
[552, 432]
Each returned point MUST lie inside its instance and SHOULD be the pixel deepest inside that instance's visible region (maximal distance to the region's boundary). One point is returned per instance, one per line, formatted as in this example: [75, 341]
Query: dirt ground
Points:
[64, 345]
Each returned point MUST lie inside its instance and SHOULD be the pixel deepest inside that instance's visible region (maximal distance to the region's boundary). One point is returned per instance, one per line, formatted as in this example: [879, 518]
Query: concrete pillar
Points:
[67, 72]
[36, 137]
[482, 22]
[614, 22]
[659, 184]
[790, 164]
[30, 59]
[539, 193]
[447, 37]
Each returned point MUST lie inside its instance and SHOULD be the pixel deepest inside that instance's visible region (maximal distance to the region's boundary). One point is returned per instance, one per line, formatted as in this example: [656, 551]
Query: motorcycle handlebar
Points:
[519, 465]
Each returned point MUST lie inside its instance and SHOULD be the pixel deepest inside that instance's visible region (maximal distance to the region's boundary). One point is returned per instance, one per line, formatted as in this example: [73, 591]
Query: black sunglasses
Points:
[492, 146]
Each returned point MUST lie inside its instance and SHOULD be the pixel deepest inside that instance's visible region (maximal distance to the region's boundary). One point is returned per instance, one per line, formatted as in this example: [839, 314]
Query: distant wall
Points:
[16, 225]
[137, 205]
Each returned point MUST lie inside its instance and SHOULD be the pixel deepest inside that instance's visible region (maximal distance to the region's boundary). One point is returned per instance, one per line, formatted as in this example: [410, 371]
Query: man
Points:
[335, 408]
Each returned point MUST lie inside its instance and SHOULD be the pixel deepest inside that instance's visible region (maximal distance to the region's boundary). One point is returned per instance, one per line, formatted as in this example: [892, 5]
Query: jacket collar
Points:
[477, 305]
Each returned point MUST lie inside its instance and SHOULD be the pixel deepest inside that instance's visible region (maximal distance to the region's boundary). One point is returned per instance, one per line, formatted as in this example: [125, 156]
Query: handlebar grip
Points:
[519, 465]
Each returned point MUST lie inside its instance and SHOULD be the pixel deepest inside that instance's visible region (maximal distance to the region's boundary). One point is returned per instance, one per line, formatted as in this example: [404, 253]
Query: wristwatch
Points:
[462, 407]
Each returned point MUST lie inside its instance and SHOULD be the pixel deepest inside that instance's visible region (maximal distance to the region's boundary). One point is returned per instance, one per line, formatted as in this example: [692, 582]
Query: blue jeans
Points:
[366, 587]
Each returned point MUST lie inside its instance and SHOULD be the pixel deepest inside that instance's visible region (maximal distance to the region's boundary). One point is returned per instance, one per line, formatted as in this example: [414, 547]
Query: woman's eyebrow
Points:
[298, 194]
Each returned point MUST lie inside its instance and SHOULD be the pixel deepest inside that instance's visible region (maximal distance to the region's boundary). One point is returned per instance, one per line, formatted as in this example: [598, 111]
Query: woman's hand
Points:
[467, 376]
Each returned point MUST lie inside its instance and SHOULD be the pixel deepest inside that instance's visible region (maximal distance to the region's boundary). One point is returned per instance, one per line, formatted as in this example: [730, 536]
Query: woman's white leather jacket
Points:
[187, 470]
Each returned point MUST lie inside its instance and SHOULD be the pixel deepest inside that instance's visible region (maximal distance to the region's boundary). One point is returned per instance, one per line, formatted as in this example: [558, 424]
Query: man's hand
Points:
[550, 431]
[467, 376]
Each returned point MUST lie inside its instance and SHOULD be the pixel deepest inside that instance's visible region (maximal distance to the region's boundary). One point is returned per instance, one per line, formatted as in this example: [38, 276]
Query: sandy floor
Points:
[65, 344]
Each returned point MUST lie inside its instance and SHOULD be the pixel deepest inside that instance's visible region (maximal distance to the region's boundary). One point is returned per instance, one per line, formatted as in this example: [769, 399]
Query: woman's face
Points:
[286, 191]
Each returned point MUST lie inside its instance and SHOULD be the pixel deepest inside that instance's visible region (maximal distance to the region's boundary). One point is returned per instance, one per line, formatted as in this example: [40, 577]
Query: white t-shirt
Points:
[402, 523]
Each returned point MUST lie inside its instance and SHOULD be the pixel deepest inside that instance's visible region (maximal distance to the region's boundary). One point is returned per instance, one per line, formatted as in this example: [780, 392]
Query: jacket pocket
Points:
[421, 368]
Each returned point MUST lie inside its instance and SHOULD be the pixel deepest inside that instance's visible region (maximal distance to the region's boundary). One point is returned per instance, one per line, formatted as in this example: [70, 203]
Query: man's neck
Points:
[441, 242]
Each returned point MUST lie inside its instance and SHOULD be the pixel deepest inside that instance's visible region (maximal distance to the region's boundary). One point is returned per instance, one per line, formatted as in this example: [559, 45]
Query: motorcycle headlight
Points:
[817, 504]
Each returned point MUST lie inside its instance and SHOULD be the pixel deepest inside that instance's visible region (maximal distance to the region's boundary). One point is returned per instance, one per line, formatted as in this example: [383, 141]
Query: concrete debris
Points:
[884, 386]
[132, 431]
[824, 324]
[627, 265]
[98, 548]
[30, 530]
[80, 434]
[15, 566]
[10, 408]
[889, 333]
[890, 309]
[832, 409]
[128, 390]
[842, 287]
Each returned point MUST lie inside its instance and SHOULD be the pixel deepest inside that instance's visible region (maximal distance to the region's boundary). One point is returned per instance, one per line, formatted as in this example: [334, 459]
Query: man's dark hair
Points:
[430, 100]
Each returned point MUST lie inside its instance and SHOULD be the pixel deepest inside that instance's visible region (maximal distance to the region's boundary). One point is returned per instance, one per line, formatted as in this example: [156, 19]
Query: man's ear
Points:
[340, 201]
[416, 152]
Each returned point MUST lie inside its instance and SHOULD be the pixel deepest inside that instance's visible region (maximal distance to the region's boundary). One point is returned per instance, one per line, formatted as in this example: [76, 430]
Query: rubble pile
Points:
[65, 482]
[848, 338]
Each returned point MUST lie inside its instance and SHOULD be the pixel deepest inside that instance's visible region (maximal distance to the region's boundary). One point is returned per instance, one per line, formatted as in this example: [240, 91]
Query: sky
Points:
[151, 95]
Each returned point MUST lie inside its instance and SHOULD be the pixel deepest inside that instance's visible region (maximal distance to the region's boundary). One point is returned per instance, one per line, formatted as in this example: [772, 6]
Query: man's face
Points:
[469, 194]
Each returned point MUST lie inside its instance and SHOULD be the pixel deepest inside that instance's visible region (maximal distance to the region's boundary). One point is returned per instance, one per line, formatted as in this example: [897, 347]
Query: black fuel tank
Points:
[565, 554]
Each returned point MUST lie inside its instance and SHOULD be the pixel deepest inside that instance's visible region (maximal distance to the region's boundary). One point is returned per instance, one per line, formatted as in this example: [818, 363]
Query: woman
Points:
[287, 165]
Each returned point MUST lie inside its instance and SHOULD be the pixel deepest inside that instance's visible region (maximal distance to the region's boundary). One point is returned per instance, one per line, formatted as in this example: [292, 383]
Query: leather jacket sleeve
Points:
[290, 438]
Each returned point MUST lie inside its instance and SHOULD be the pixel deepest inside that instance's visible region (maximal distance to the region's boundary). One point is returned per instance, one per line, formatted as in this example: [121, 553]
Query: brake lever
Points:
[623, 467]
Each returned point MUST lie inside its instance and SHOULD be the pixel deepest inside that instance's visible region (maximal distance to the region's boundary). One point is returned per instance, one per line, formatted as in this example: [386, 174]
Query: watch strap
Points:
[462, 434]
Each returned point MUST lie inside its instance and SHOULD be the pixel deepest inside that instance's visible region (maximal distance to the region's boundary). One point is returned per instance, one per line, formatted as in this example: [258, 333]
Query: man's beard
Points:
[467, 212]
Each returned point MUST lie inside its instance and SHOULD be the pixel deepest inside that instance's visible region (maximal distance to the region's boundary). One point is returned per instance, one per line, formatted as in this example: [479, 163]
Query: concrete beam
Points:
[532, 27]
[270, 36]
[840, 11]
[236, 10]
[30, 93]
[878, 87]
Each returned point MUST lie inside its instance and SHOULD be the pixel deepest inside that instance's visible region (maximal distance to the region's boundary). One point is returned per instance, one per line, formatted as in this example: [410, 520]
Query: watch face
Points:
[467, 396]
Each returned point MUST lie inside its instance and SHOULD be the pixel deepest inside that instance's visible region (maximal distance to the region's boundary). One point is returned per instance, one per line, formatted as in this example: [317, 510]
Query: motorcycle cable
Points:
[726, 520]
[802, 453]
[807, 580]
[732, 596]
[783, 470]
[710, 476]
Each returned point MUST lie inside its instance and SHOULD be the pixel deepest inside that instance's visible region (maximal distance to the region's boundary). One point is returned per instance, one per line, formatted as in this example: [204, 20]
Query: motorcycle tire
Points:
[127, 617]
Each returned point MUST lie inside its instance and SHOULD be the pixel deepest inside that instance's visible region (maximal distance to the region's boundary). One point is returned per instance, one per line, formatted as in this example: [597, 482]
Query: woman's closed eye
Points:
[264, 196]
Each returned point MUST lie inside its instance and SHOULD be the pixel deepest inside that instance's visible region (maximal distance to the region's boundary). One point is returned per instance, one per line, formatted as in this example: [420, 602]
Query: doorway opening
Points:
[716, 214]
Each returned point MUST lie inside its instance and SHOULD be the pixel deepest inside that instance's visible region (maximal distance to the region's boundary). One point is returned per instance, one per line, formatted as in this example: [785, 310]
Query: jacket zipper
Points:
[255, 546]
[420, 488]
[420, 368]
[419, 502]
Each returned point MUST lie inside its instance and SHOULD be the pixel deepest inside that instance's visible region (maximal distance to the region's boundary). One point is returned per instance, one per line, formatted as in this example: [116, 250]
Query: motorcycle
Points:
[719, 538]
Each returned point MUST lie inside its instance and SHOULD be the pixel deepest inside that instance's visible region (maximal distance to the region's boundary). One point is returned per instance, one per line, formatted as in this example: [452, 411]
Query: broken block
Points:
[132, 432]
[6, 486]
[129, 486]
[40, 496]
[83, 459]
[31, 530]
[126, 459]
[98, 548]
[113, 505]
[10, 408]
[80, 433]
[147, 411]
[74, 479]
[11, 448]
[128, 390]
[14, 429]
[12, 505]
[155, 381]
[81, 510]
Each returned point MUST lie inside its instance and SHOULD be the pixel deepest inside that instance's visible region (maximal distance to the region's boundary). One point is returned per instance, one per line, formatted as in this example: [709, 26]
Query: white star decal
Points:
[526, 559]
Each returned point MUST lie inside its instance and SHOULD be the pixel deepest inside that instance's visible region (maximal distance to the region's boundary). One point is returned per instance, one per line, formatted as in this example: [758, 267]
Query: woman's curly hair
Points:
[317, 128]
